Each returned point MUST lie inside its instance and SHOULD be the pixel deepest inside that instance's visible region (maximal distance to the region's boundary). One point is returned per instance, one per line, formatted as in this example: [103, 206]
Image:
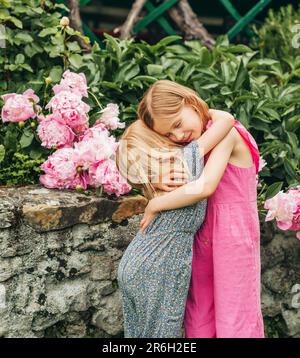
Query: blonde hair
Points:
[164, 100]
[141, 155]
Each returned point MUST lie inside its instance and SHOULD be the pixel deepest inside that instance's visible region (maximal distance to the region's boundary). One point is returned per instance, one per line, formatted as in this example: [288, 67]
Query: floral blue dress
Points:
[154, 272]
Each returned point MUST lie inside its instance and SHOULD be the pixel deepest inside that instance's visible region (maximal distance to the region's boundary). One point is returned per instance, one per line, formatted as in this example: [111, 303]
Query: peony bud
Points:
[21, 124]
[64, 21]
[48, 80]
[79, 169]
[79, 188]
[32, 124]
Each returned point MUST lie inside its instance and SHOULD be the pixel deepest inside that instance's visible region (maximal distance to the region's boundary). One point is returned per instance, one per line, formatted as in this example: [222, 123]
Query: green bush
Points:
[278, 35]
[262, 93]
[36, 45]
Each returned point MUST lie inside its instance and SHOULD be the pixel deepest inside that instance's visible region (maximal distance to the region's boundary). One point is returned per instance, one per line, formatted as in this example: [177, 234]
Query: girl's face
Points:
[183, 130]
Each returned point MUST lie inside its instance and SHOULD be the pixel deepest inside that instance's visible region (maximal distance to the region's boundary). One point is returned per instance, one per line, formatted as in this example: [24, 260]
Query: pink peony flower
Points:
[80, 179]
[60, 169]
[83, 154]
[73, 82]
[94, 132]
[106, 173]
[54, 132]
[262, 163]
[285, 208]
[96, 144]
[294, 195]
[50, 182]
[110, 117]
[75, 119]
[19, 107]
[71, 109]
[65, 100]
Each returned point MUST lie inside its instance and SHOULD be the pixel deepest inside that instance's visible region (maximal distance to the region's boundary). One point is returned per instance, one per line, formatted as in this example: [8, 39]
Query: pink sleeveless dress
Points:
[224, 294]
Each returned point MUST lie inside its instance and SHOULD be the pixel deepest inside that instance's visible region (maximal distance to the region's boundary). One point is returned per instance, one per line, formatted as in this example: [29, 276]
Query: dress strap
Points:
[250, 141]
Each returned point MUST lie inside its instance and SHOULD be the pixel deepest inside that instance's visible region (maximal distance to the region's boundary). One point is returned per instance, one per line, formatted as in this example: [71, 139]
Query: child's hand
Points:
[174, 180]
[149, 216]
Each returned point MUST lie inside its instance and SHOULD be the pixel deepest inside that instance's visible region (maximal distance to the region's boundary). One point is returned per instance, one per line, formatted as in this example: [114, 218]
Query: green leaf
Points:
[154, 70]
[271, 112]
[127, 71]
[262, 118]
[243, 117]
[242, 77]
[166, 41]
[111, 85]
[238, 49]
[293, 123]
[35, 153]
[187, 72]
[194, 44]
[76, 60]
[15, 21]
[210, 85]
[132, 72]
[146, 78]
[26, 139]
[273, 189]
[225, 72]
[262, 62]
[20, 58]
[56, 73]
[48, 31]
[205, 57]
[26, 67]
[2, 153]
[73, 46]
[289, 168]
[22, 37]
[292, 139]
[113, 44]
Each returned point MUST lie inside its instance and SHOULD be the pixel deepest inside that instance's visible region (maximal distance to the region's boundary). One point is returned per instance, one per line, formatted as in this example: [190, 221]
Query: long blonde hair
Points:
[164, 100]
[142, 154]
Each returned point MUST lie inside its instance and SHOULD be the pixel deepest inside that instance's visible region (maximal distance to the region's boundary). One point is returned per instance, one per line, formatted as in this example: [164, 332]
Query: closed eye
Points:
[177, 125]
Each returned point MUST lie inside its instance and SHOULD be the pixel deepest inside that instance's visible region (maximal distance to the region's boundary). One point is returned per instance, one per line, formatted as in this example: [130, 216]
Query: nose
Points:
[178, 135]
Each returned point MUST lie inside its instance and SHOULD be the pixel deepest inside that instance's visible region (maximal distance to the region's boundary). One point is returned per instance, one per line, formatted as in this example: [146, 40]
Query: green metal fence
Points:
[158, 13]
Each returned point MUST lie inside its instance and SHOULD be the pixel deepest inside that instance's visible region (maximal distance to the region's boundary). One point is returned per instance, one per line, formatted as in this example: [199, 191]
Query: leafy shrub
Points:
[261, 92]
[278, 37]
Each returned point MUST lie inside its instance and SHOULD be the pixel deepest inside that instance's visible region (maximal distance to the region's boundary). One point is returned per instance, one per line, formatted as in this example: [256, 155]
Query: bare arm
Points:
[222, 124]
[196, 190]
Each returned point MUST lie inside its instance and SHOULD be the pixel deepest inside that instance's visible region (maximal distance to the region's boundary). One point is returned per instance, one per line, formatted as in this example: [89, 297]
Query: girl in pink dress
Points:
[224, 294]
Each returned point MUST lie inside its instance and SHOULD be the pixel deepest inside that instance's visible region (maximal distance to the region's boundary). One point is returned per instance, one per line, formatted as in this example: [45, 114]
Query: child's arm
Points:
[196, 190]
[222, 124]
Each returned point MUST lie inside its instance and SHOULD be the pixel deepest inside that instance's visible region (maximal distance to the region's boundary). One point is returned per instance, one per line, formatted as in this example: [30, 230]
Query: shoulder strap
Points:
[250, 141]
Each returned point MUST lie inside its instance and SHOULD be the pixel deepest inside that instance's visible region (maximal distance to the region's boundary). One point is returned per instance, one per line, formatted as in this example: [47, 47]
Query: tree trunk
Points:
[185, 18]
[181, 13]
[126, 29]
[75, 23]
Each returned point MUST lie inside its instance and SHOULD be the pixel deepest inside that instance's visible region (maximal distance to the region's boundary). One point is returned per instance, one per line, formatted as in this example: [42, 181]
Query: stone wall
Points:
[59, 253]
